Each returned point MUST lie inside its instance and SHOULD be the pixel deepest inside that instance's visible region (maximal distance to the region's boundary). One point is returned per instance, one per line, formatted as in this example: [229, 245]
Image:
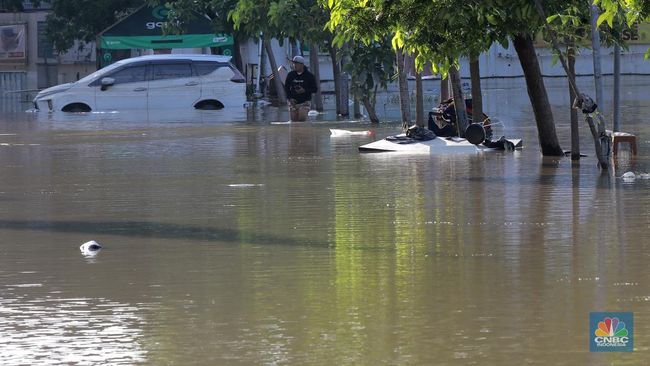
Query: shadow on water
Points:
[144, 229]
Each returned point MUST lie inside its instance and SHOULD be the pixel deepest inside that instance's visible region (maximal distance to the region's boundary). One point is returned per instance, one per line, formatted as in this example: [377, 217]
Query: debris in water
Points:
[90, 248]
[336, 132]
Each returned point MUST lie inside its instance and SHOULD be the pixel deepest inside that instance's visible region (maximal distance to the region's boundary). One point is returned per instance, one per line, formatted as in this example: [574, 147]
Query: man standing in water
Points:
[299, 86]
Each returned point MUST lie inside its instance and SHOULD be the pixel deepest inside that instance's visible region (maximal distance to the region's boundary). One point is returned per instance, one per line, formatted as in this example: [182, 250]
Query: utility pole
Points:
[617, 88]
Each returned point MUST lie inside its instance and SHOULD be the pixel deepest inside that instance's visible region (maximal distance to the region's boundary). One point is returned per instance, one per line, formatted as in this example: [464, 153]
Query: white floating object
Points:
[312, 113]
[629, 175]
[90, 248]
[439, 145]
[644, 176]
[336, 132]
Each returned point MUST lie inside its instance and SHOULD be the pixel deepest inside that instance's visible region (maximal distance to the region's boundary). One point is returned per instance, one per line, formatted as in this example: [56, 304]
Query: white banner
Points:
[12, 42]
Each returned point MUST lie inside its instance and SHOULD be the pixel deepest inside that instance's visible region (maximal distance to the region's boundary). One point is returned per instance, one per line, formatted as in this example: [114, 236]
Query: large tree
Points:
[366, 22]
[371, 67]
[304, 20]
[441, 31]
[252, 17]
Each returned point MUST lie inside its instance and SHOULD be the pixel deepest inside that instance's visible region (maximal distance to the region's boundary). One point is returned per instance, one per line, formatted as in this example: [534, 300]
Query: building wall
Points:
[29, 66]
[503, 62]
[41, 72]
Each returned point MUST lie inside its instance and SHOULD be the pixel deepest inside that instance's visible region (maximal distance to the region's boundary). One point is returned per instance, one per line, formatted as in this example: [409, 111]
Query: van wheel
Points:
[209, 105]
[76, 108]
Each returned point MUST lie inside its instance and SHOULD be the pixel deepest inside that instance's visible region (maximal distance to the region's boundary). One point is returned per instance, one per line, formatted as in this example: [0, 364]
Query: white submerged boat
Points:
[439, 145]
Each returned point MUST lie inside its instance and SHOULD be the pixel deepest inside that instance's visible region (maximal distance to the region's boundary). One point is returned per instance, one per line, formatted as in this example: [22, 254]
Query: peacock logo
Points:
[611, 327]
[611, 332]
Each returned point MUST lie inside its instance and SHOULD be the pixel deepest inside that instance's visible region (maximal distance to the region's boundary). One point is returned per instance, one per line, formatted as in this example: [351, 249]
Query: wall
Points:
[29, 67]
[42, 72]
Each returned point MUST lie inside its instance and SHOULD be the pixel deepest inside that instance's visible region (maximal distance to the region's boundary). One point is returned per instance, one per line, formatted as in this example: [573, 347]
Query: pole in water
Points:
[617, 89]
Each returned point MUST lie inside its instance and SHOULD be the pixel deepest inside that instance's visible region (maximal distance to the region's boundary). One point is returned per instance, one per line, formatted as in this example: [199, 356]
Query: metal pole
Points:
[617, 88]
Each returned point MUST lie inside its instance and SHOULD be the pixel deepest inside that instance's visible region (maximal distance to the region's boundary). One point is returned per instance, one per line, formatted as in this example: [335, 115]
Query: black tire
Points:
[76, 108]
[475, 133]
[209, 105]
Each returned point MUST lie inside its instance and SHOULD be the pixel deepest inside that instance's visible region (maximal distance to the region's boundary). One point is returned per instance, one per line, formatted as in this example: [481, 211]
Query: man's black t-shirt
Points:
[295, 81]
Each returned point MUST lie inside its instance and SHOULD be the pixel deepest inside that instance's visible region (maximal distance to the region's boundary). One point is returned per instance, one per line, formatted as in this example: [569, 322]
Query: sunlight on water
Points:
[76, 331]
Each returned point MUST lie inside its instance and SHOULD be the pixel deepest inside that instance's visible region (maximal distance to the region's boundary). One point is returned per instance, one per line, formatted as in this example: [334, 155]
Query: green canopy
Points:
[143, 29]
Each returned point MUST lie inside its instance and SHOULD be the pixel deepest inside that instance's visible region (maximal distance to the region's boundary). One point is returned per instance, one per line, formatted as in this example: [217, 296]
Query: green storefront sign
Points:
[168, 41]
[143, 29]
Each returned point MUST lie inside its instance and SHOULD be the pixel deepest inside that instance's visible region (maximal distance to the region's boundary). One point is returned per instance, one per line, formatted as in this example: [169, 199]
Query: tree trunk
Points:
[345, 94]
[444, 89]
[236, 57]
[404, 102]
[595, 43]
[575, 131]
[282, 98]
[315, 69]
[356, 107]
[261, 74]
[295, 50]
[601, 140]
[477, 96]
[345, 83]
[419, 99]
[548, 141]
[336, 72]
[370, 108]
[459, 101]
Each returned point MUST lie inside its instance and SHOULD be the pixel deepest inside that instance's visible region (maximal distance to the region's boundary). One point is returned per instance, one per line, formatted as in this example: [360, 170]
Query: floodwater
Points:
[248, 241]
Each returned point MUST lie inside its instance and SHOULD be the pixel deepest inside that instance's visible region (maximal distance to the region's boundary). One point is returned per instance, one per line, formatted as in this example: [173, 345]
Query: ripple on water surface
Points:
[81, 331]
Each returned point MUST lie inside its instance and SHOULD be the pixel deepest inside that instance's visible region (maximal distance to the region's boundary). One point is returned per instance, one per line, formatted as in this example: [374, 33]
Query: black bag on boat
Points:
[420, 133]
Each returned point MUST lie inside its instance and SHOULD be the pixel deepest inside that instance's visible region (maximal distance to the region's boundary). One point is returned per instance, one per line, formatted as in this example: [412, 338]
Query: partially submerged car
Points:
[151, 83]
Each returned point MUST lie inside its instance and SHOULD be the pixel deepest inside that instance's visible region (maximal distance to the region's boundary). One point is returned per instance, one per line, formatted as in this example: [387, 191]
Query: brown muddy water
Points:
[236, 240]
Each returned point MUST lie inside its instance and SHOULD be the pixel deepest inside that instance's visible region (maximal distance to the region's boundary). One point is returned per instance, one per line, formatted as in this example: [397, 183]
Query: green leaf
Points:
[608, 17]
[397, 41]
[555, 59]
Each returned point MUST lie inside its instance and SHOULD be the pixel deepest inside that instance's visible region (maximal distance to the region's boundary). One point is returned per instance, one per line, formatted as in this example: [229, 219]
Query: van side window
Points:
[203, 68]
[130, 74]
[171, 71]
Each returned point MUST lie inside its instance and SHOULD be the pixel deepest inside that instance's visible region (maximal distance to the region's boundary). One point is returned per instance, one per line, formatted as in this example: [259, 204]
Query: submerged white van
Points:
[151, 83]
